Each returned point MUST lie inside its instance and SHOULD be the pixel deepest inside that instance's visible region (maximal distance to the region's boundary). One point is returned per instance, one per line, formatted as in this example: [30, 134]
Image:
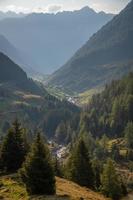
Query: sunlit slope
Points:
[107, 55]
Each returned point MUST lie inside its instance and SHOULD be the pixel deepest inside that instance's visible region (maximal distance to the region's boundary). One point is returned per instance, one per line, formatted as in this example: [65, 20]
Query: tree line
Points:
[37, 168]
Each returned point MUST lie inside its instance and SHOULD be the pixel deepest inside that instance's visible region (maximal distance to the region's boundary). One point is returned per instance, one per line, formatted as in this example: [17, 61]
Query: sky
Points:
[53, 6]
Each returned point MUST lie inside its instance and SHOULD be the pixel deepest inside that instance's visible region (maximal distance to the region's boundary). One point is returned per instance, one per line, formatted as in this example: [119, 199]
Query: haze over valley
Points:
[49, 40]
[66, 100]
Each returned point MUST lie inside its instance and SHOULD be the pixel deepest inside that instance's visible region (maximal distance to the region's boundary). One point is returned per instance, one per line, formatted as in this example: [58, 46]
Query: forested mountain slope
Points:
[107, 55]
[16, 55]
[23, 98]
[110, 112]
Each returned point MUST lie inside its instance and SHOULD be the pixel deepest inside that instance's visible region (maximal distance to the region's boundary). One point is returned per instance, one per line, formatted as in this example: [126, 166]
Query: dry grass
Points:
[31, 96]
[10, 189]
[75, 192]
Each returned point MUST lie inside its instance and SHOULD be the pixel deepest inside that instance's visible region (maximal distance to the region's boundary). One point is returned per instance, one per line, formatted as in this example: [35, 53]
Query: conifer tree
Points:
[111, 183]
[13, 148]
[37, 172]
[129, 134]
[115, 152]
[79, 166]
[97, 169]
[57, 167]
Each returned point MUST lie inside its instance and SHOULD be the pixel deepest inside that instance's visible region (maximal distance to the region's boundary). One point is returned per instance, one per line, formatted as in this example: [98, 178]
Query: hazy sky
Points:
[113, 6]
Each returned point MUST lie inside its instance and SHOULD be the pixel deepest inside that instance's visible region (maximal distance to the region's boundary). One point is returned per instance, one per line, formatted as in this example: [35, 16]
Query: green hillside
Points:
[110, 111]
[107, 55]
[28, 100]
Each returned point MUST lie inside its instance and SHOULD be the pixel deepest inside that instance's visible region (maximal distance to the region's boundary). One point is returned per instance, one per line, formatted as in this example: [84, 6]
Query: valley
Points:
[66, 104]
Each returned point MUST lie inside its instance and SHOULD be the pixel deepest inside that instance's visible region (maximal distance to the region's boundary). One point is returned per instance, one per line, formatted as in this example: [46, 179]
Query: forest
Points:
[99, 140]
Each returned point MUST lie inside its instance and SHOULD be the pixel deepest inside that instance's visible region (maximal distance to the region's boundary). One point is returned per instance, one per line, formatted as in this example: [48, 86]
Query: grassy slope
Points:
[10, 189]
[85, 97]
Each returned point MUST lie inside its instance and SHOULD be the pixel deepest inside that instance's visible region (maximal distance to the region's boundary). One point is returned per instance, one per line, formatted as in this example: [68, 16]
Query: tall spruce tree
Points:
[129, 134]
[79, 166]
[13, 148]
[37, 172]
[111, 184]
[97, 169]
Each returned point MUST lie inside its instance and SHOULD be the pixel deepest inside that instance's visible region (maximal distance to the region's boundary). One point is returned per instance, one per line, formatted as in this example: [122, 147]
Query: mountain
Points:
[10, 14]
[16, 55]
[8, 49]
[29, 101]
[9, 71]
[49, 40]
[13, 76]
[107, 55]
[110, 111]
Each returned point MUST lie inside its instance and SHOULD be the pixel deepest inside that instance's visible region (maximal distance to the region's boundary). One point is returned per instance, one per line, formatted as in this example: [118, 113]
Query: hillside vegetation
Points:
[107, 55]
[12, 189]
[28, 100]
[110, 111]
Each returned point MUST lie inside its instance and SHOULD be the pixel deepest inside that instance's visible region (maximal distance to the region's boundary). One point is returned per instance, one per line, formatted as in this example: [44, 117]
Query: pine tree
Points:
[13, 148]
[79, 166]
[115, 152]
[111, 184]
[37, 171]
[57, 167]
[129, 134]
[97, 169]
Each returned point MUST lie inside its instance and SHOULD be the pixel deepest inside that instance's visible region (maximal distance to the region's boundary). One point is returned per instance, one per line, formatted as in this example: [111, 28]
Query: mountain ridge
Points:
[93, 63]
[45, 33]
[20, 58]
[29, 101]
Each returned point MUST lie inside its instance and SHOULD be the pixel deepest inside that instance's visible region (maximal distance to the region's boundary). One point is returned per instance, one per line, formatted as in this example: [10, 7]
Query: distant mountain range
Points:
[107, 55]
[18, 57]
[12, 74]
[49, 40]
[10, 14]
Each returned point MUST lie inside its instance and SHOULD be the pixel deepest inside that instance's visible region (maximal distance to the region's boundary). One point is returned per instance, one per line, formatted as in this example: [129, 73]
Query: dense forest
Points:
[23, 97]
[110, 111]
[99, 140]
[52, 147]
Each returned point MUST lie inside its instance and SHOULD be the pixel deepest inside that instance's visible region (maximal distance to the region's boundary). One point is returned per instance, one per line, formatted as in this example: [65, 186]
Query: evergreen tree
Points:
[5, 127]
[97, 169]
[79, 166]
[129, 155]
[57, 167]
[115, 152]
[111, 184]
[129, 134]
[37, 171]
[13, 148]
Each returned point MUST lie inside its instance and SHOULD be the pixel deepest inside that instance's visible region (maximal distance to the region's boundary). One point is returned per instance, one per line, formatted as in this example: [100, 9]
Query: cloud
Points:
[54, 8]
[48, 9]
[27, 6]
[16, 9]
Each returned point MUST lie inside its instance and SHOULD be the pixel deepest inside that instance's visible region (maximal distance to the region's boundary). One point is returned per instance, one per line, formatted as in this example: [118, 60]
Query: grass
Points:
[76, 192]
[12, 189]
[85, 97]
[58, 93]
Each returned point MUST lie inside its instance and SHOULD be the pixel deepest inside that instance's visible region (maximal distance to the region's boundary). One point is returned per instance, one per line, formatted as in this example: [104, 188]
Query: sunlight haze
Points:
[112, 6]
